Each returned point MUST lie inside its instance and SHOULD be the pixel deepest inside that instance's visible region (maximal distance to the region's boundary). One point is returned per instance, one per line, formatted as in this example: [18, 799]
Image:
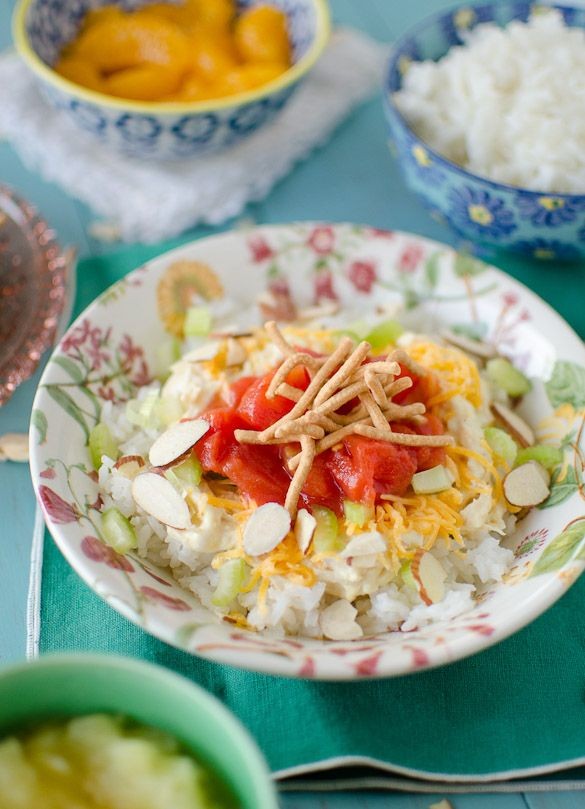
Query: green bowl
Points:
[73, 685]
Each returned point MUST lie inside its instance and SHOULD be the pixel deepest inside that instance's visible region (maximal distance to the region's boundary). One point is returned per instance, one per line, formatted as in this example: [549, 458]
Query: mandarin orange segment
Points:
[98, 15]
[212, 56]
[260, 35]
[142, 83]
[132, 40]
[248, 77]
[194, 88]
[80, 72]
[215, 15]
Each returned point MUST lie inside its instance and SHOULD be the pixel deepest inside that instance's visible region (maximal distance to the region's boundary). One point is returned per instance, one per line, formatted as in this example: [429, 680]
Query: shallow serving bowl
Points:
[155, 130]
[111, 348]
[67, 685]
[540, 225]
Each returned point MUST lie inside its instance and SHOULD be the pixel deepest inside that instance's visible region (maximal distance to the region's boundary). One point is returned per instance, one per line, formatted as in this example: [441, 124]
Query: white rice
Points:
[508, 105]
[356, 583]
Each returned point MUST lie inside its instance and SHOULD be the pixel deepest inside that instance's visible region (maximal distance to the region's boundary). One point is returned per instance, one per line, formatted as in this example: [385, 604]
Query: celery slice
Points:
[549, 457]
[501, 444]
[232, 577]
[326, 535]
[188, 472]
[118, 531]
[431, 481]
[143, 412]
[406, 575]
[198, 322]
[357, 513]
[503, 375]
[101, 442]
[385, 333]
[169, 410]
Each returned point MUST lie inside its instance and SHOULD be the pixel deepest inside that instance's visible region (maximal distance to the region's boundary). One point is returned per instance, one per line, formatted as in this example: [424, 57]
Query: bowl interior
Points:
[51, 25]
[437, 34]
[65, 686]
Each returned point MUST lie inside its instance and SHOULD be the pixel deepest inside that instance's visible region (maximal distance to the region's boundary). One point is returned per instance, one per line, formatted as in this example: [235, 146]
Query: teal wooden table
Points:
[351, 179]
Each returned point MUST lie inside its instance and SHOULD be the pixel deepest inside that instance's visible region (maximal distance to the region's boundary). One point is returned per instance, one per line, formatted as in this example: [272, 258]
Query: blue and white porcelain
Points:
[540, 225]
[154, 130]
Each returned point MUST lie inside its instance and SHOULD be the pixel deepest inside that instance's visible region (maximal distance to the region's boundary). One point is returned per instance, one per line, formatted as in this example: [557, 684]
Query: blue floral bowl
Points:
[154, 130]
[540, 225]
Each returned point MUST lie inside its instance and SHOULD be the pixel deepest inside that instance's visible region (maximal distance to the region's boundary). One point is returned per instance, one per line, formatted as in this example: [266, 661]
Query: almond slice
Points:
[527, 485]
[204, 353]
[266, 529]
[479, 349]
[175, 441]
[235, 353]
[304, 529]
[14, 447]
[129, 465]
[514, 424]
[429, 576]
[338, 621]
[159, 498]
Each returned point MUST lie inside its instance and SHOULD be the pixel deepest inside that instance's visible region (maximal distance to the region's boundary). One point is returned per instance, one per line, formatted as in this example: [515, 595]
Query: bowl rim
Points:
[460, 648]
[286, 79]
[228, 722]
[390, 107]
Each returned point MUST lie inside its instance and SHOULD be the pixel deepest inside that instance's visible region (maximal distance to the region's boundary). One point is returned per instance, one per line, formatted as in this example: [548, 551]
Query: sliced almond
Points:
[204, 353]
[266, 529]
[129, 465]
[479, 349]
[304, 529]
[364, 544]
[514, 424]
[429, 576]
[14, 447]
[159, 498]
[175, 441]
[527, 485]
[325, 309]
[338, 621]
[235, 353]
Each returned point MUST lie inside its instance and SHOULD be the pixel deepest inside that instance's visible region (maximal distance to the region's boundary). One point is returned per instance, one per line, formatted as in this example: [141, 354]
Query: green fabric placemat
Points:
[517, 706]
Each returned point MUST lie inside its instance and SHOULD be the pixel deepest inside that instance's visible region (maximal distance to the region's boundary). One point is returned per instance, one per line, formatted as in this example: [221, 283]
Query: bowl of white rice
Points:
[486, 114]
[317, 450]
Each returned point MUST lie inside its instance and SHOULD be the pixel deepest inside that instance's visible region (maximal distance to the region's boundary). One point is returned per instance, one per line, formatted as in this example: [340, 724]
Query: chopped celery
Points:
[167, 352]
[406, 575]
[431, 481]
[101, 442]
[118, 531]
[189, 472]
[357, 513]
[326, 535]
[549, 457]
[143, 412]
[198, 322]
[169, 410]
[385, 333]
[503, 375]
[501, 444]
[232, 577]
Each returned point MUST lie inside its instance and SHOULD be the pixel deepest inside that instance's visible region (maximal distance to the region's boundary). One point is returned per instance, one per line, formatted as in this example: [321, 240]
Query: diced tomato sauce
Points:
[360, 470]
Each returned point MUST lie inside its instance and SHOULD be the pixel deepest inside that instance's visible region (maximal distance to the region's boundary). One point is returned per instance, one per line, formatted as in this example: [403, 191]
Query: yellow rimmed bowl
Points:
[162, 130]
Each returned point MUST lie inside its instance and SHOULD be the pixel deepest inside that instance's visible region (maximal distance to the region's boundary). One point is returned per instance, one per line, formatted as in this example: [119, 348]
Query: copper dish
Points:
[33, 272]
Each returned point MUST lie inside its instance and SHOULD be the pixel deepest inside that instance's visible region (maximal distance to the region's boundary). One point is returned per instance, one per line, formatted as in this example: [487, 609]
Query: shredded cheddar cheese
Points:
[458, 373]
[225, 502]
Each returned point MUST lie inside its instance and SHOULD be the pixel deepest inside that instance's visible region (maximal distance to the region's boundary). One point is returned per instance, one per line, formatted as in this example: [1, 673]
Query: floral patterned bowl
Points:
[111, 349]
[151, 130]
[540, 225]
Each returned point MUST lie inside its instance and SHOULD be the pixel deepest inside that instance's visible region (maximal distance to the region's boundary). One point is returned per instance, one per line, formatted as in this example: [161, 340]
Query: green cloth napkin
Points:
[518, 706]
